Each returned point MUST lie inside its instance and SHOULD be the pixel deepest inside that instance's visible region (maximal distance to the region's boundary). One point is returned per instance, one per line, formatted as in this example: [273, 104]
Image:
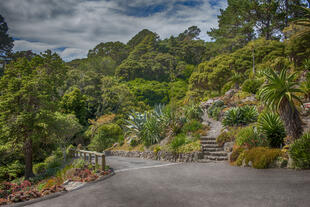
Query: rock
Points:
[250, 164]
[243, 163]
[228, 155]
[249, 99]
[208, 103]
[290, 163]
[230, 93]
[228, 146]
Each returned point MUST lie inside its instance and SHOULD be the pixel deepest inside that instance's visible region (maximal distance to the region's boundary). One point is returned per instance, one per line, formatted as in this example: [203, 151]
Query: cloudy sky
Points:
[72, 27]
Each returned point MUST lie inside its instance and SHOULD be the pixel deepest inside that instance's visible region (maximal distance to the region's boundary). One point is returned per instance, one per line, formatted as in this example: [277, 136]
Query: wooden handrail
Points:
[83, 153]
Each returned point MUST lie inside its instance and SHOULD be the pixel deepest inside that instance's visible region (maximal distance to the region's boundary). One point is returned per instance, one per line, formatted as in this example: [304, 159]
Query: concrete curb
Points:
[54, 195]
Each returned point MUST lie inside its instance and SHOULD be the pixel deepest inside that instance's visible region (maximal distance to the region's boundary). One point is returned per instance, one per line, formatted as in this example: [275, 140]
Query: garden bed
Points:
[67, 179]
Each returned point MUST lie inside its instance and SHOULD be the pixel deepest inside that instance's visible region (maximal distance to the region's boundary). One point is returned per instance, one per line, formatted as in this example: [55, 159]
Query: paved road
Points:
[190, 184]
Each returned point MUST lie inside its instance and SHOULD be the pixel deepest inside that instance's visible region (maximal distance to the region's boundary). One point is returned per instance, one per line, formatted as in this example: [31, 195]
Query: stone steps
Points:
[215, 158]
[202, 142]
[216, 153]
[212, 149]
[207, 138]
[210, 145]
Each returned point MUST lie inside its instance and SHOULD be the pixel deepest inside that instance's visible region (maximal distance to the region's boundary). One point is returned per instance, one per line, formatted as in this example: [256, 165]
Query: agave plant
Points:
[270, 125]
[136, 123]
[237, 116]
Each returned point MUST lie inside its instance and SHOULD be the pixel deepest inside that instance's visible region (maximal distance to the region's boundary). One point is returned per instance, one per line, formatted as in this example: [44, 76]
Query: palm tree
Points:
[279, 93]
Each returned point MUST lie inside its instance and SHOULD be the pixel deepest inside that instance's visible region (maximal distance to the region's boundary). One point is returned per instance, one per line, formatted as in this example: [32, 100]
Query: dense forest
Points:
[48, 105]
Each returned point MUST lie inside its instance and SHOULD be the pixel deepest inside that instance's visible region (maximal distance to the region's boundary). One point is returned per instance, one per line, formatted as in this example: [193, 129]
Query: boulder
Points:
[290, 163]
[230, 93]
[249, 99]
[208, 103]
[228, 146]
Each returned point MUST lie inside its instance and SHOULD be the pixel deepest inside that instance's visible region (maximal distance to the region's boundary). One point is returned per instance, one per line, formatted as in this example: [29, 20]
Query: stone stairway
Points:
[211, 150]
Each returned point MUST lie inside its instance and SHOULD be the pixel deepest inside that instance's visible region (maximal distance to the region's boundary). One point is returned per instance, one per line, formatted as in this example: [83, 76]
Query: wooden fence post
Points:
[96, 159]
[90, 158]
[85, 157]
[102, 162]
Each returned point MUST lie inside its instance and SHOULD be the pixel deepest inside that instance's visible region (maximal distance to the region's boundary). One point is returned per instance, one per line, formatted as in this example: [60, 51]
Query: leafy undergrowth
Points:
[181, 143]
[128, 147]
[78, 171]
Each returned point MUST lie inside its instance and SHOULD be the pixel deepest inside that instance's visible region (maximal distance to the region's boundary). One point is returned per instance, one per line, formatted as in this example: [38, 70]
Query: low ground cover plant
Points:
[261, 157]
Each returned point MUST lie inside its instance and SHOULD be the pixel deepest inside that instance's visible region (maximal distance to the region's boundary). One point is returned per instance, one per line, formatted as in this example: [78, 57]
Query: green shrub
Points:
[177, 142]
[79, 163]
[190, 147]
[238, 116]
[300, 151]
[235, 154]
[191, 126]
[224, 137]
[106, 135]
[261, 157]
[193, 112]
[134, 142]
[70, 151]
[53, 161]
[11, 171]
[240, 158]
[215, 109]
[271, 126]
[249, 137]
[251, 85]
[39, 168]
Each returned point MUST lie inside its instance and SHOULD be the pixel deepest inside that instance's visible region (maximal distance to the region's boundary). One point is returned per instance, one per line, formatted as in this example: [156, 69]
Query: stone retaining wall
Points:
[161, 155]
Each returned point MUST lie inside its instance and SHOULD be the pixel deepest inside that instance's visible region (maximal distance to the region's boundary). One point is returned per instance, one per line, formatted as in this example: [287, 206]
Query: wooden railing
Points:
[89, 155]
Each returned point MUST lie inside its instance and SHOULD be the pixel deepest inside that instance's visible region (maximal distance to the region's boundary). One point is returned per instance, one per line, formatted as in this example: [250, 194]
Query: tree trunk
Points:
[64, 153]
[292, 122]
[28, 158]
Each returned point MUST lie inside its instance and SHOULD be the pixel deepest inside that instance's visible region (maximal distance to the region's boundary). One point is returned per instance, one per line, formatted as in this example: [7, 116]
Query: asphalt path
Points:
[140, 182]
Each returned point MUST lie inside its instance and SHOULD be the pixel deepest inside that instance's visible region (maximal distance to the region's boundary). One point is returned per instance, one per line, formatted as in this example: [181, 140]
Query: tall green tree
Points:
[6, 42]
[74, 102]
[235, 26]
[116, 50]
[29, 96]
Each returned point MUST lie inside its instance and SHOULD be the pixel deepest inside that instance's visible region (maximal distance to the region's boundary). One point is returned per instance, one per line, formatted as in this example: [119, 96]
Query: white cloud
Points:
[79, 25]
